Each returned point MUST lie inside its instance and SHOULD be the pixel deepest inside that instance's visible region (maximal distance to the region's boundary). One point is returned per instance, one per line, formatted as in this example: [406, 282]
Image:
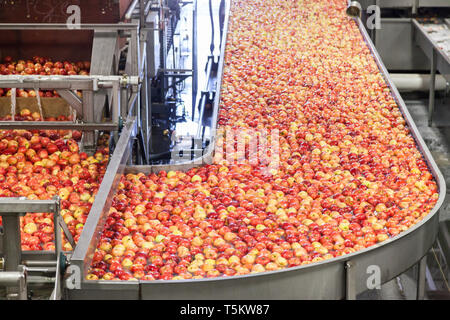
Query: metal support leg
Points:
[11, 241]
[421, 276]
[88, 116]
[350, 290]
[12, 249]
[432, 88]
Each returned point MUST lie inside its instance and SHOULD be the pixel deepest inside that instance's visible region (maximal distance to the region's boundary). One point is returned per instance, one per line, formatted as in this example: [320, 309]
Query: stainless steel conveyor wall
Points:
[337, 278]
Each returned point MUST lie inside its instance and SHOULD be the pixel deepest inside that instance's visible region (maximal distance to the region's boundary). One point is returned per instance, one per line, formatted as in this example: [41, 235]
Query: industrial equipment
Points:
[134, 87]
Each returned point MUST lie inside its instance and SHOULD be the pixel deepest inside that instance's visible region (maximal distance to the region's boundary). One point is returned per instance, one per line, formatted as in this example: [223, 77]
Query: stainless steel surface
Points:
[12, 249]
[63, 26]
[43, 269]
[410, 82]
[57, 289]
[394, 42]
[432, 86]
[444, 238]
[428, 45]
[130, 9]
[104, 58]
[16, 284]
[72, 99]
[350, 278]
[65, 229]
[406, 3]
[43, 125]
[87, 243]
[11, 278]
[322, 280]
[105, 290]
[22, 205]
[194, 56]
[433, 3]
[88, 116]
[354, 9]
[48, 263]
[439, 61]
[90, 82]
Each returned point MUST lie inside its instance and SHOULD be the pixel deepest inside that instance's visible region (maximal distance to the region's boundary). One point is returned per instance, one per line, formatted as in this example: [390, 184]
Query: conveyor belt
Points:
[336, 278]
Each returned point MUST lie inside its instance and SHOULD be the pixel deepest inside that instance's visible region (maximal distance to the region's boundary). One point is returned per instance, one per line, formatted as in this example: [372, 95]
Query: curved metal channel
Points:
[321, 280]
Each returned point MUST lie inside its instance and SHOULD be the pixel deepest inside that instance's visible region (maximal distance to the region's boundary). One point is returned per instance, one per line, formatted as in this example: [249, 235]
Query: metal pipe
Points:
[47, 125]
[93, 227]
[432, 87]
[417, 82]
[130, 10]
[68, 82]
[11, 278]
[421, 280]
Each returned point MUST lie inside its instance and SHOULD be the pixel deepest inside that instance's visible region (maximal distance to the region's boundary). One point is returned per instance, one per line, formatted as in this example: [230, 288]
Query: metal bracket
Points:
[350, 281]
[72, 99]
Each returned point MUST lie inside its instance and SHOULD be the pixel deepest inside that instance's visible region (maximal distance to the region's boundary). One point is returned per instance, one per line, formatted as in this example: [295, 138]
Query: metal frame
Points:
[337, 278]
[104, 56]
[438, 61]
[87, 243]
[89, 86]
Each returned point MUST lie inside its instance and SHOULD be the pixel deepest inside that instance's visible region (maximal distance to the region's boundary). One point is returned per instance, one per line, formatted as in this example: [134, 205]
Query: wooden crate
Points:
[51, 107]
